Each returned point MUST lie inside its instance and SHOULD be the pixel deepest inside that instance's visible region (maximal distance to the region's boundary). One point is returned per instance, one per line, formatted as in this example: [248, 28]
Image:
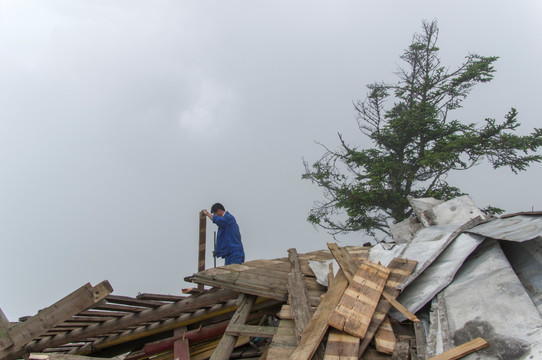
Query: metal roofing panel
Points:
[427, 244]
[384, 253]
[454, 211]
[516, 228]
[526, 260]
[438, 275]
[486, 299]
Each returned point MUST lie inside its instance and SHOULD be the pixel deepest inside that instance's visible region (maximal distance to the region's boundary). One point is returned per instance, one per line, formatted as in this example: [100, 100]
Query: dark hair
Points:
[216, 207]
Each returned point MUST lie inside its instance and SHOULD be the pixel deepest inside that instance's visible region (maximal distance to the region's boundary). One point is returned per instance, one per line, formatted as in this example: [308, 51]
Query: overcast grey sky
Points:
[121, 120]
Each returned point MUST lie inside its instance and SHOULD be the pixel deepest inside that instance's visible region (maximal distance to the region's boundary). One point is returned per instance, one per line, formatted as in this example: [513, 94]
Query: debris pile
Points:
[455, 282]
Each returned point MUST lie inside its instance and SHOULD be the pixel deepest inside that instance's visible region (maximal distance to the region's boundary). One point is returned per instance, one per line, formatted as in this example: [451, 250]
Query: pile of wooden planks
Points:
[355, 306]
[261, 309]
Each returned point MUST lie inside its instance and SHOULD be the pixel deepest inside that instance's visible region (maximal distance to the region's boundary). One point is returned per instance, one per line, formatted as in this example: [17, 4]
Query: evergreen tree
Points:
[416, 144]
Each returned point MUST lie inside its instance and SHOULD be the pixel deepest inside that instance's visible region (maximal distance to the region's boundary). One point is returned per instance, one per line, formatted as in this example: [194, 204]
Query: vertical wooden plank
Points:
[344, 259]
[181, 347]
[400, 269]
[317, 326]
[355, 310]
[413, 353]
[284, 342]
[330, 274]
[202, 244]
[341, 345]
[385, 338]
[5, 339]
[372, 354]
[301, 308]
[227, 343]
[401, 350]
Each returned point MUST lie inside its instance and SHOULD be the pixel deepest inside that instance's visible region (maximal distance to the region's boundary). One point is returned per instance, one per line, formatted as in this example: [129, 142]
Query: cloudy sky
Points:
[121, 120]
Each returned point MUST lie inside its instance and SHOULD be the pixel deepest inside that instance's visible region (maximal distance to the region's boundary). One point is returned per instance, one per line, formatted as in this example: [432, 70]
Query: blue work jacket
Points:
[228, 238]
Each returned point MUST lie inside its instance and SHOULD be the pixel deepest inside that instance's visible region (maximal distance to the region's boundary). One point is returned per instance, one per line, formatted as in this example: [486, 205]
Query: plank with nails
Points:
[355, 310]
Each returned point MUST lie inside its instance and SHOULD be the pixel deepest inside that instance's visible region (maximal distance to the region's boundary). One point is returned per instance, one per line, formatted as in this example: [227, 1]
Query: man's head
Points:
[218, 209]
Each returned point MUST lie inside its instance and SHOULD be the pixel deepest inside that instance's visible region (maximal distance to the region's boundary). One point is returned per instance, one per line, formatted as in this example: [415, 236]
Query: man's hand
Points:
[205, 212]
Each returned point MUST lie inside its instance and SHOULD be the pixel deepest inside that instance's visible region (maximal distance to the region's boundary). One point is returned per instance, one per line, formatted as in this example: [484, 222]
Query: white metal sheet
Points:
[487, 299]
[516, 228]
[438, 275]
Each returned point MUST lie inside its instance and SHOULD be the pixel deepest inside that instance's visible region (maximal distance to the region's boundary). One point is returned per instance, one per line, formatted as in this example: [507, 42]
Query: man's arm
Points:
[208, 214]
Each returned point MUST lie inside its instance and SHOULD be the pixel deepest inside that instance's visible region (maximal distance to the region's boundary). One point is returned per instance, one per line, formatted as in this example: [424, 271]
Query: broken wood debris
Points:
[278, 309]
[226, 316]
[358, 303]
[341, 345]
[462, 350]
[301, 309]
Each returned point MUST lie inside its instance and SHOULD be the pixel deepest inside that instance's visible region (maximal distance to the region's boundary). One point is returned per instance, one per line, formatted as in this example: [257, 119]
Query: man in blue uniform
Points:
[228, 238]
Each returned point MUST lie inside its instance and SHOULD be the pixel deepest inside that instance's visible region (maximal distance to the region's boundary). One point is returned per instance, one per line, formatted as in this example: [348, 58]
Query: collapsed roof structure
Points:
[454, 282]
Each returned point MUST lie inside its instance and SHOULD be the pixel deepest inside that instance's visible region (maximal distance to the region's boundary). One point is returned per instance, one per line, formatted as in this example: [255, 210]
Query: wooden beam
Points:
[385, 338]
[5, 339]
[204, 351]
[202, 334]
[301, 308]
[330, 274]
[400, 269]
[227, 343]
[119, 308]
[56, 314]
[219, 310]
[401, 350]
[372, 354]
[126, 300]
[341, 345]
[403, 310]
[160, 297]
[194, 336]
[316, 328]
[344, 259]
[251, 330]
[202, 244]
[134, 319]
[462, 350]
[181, 347]
[57, 356]
[284, 342]
[285, 312]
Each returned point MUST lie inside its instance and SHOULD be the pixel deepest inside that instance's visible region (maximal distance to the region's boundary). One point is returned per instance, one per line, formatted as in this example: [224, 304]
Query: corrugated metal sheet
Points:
[517, 228]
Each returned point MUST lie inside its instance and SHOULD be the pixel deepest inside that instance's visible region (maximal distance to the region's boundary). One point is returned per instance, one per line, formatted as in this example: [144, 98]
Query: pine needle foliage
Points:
[416, 143]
